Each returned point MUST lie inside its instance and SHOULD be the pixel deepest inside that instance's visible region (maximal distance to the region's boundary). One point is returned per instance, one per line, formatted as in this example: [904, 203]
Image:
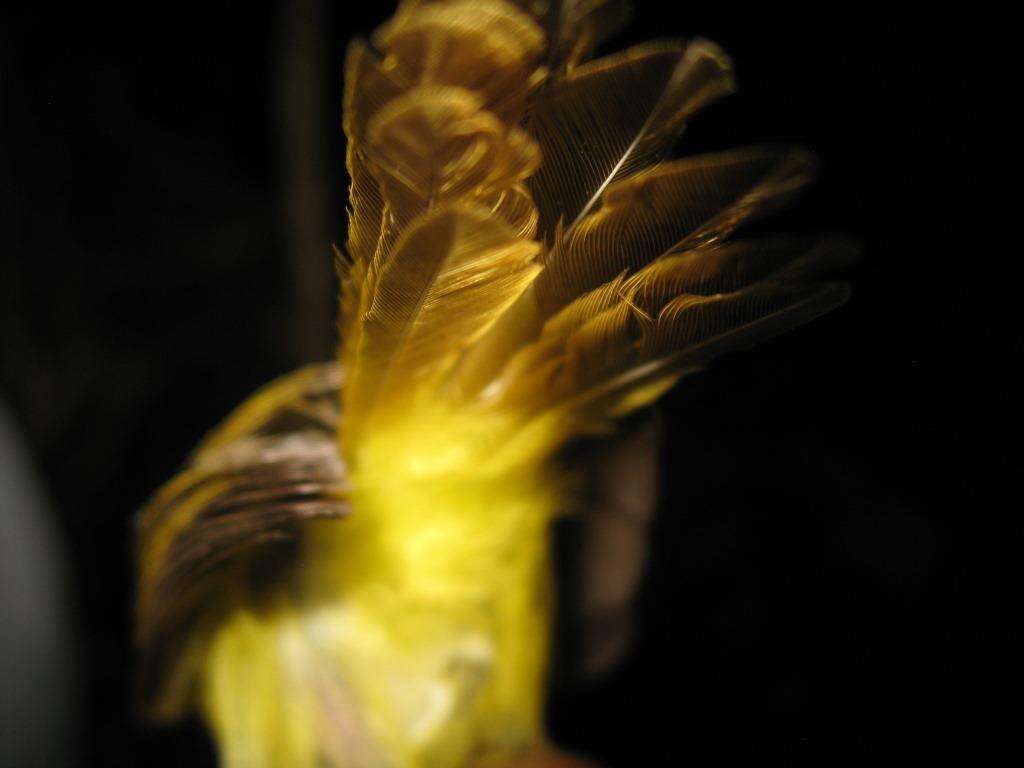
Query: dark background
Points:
[830, 574]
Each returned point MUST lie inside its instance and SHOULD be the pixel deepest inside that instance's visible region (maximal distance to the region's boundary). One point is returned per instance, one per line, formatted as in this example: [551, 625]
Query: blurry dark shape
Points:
[301, 85]
[38, 689]
[614, 543]
[601, 553]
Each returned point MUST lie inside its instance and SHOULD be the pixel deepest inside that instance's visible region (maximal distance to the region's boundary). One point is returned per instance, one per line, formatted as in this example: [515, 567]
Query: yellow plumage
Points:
[354, 569]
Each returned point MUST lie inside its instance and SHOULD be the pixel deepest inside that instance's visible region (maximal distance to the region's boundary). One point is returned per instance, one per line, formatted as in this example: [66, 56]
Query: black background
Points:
[830, 571]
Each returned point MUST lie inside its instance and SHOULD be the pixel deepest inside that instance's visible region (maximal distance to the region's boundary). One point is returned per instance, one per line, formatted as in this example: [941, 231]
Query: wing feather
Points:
[614, 116]
[451, 274]
[677, 206]
[677, 313]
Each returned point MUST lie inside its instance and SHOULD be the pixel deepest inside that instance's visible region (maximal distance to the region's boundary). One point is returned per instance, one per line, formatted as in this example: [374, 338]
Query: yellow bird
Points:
[354, 569]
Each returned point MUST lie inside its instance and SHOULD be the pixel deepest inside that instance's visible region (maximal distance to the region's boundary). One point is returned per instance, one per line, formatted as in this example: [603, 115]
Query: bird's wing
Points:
[518, 241]
[240, 501]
